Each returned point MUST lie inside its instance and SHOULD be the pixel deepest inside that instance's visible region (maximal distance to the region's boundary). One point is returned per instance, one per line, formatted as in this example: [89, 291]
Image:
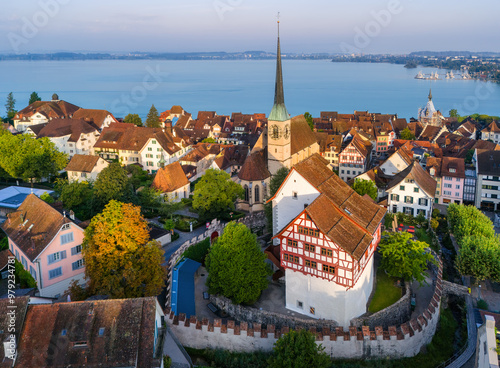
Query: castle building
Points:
[429, 115]
[325, 236]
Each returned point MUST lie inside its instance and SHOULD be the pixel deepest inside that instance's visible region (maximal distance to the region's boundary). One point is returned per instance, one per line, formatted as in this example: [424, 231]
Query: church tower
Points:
[278, 124]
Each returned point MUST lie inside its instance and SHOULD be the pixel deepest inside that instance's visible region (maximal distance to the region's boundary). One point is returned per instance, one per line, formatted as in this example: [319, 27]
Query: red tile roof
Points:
[51, 109]
[6, 307]
[61, 127]
[170, 178]
[82, 163]
[421, 177]
[93, 115]
[301, 134]
[255, 167]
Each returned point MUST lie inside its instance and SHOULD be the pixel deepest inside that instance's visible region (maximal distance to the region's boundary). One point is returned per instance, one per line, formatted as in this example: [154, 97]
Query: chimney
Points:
[72, 215]
[64, 213]
[168, 126]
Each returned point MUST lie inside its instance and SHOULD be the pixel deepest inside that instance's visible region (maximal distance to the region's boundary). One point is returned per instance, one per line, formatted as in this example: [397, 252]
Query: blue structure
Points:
[182, 299]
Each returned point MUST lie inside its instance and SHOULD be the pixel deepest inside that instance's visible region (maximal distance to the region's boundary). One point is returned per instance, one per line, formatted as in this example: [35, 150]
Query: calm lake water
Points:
[242, 86]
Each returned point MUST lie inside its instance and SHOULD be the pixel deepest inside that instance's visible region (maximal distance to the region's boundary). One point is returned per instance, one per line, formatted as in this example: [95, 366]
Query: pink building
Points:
[450, 175]
[47, 244]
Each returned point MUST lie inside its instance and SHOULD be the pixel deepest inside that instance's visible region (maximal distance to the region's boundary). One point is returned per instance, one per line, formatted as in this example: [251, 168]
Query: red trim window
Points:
[309, 248]
[291, 258]
[308, 231]
[329, 269]
[291, 243]
[326, 252]
[311, 264]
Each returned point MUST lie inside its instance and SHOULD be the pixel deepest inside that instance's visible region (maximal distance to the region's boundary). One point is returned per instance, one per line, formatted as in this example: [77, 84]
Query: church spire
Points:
[279, 112]
[430, 94]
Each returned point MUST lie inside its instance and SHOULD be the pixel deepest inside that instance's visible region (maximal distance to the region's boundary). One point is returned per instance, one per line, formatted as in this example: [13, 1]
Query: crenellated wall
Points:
[404, 340]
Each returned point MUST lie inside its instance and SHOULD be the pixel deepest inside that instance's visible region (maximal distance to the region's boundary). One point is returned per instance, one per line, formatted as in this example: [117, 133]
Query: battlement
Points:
[404, 340]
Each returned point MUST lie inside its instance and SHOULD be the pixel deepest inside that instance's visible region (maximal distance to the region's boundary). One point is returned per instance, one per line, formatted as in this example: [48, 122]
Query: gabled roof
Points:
[170, 178]
[37, 128]
[434, 163]
[33, 226]
[493, 128]
[488, 162]
[231, 156]
[450, 163]
[51, 109]
[301, 135]
[62, 127]
[343, 215]
[421, 177]
[82, 163]
[93, 115]
[127, 340]
[255, 167]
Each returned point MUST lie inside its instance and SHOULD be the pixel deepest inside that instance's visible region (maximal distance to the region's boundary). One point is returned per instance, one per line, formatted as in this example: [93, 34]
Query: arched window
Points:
[257, 194]
[246, 193]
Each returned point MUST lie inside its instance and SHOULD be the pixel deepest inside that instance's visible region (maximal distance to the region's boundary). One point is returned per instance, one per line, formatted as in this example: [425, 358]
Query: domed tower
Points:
[278, 124]
[55, 97]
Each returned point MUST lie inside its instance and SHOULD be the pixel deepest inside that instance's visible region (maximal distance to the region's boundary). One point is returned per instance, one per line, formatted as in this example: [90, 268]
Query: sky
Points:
[327, 26]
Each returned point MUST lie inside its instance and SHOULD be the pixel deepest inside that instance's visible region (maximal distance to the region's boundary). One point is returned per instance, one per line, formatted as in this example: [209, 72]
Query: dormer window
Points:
[452, 170]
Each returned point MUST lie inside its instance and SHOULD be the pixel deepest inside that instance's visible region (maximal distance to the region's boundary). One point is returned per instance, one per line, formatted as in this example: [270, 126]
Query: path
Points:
[172, 349]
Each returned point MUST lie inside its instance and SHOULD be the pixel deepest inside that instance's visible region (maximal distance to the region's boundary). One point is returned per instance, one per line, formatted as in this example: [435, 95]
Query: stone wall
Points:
[400, 341]
[396, 313]
[455, 289]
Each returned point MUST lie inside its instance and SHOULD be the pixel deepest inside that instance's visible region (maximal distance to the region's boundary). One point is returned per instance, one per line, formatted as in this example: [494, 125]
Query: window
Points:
[415, 190]
[150, 148]
[76, 250]
[310, 248]
[33, 272]
[17, 254]
[66, 238]
[326, 252]
[329, 269]
[408, 199]
[77, 265]
[447, 185]
[295, 195]
[457, 186]
[257, 194]
[423, 201]
[292, 243]
[311, 264]
[291, 258]
[300, 304]
[395, 197]
[401, 187]
[56, 257]
[56, 272]
[65, 227]
[153, 141]
[24, 263]
[246, 193]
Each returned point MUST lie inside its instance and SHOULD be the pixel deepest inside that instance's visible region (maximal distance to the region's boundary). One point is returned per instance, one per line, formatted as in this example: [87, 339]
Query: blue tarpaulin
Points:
[182, 300]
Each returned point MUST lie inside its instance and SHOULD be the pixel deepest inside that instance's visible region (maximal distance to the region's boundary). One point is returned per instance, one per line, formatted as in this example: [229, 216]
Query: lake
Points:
[246, 86]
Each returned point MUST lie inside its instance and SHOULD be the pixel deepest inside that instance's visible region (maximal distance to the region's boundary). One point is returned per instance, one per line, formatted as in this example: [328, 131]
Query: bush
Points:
[23, 277]
[4, 244]
[47, 198]
[198, 252]
[175, 236]
[481, 304]
[167, 361]
[389, 217]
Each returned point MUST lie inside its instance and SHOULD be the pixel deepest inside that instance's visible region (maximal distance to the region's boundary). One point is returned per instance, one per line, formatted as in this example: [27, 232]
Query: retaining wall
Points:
[404, 340]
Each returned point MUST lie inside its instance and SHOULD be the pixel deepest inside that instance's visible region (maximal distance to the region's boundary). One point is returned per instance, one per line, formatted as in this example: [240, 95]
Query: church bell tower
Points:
[278, 124]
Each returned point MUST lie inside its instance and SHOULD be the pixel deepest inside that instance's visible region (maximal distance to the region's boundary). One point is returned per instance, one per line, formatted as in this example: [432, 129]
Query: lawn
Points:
[385, 293]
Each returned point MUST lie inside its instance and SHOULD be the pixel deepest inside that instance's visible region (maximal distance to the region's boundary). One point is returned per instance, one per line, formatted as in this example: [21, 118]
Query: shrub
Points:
[198, 252]
[23, 277]
[481, 304]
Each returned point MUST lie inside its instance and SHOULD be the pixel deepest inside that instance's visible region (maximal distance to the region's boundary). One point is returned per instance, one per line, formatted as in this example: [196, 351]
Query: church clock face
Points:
[287, 131]
[275, 132]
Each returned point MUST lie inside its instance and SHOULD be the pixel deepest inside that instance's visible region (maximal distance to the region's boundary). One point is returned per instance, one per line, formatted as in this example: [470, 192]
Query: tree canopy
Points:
[120, 259]
[468, 221]
[209, 140]
[454, 113]
[34, 98]
[10, 106]
[236, 265]
[215, 193]
[26, 158]
[298, 349]
[309, 120]
[133, 119]
[479, 257]
[112, 183]
[403, 257]
[362, 187]
[153, 118]
[78, 197]
[407, 134]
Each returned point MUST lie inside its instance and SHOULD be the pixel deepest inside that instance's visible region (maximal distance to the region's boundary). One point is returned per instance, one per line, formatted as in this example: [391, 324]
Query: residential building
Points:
[231, 159]
[172, 182]
[330, 149]
[397, 162]
[449, 173]
[100, 118]
[325, 235]
[487, 164]
[354, 159]
[385, 139]
[491, 133]
[42, 112]
[12, 197]
[102, 333]
[470, 185]
[71, 136]
[412, 191]
[85, 168]
[467, 130]
[47, 244]
[201, 156]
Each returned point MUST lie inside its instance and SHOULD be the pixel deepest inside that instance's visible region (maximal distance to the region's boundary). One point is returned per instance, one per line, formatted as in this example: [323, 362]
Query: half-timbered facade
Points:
[326, 234]
[354, 159]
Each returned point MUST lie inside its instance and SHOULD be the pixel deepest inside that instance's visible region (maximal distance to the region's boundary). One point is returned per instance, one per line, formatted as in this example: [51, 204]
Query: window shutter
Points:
[50, 258]
[63, 254]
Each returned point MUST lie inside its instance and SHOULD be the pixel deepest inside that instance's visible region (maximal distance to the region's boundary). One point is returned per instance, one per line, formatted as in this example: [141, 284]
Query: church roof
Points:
[255, 167]
[301, 135]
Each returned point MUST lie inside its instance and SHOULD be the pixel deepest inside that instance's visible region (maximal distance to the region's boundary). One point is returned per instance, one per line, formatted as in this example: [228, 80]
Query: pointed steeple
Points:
[279, 112]
[430, 94]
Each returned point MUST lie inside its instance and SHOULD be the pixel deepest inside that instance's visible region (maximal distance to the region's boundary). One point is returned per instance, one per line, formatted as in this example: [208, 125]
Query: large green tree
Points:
[215, 193]
[153, 118]
[24, 157]
[120, 259]
[112, 183]
[133, 119]
[407, 134]
[78, 197]
[479, 257]
[10, 106]
[298, 349]
[236, 265]
[403, 257]
[34, 98]
[309, 120]
[362, 187]
[468, 221]
[275, 183]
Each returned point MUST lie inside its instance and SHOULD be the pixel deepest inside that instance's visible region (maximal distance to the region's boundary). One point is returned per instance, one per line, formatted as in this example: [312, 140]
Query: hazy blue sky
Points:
[238, 25]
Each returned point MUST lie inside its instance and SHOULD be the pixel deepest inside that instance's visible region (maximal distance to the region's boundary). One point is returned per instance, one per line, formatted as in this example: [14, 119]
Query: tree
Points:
[274, 185]
[403, 257]
[236, 265]
[298, 349]
[468, 221]
[468, 156]
[215, 193]
[454, 113]
[46, 197]
[26, 158]
[120, 259]
[407, 134]
[362, 187]
[77, 196]
[10, 106]
[153, 118]
[34, 98]
[112, 183]
[479, 257]
[309, 120]
[209, 140]
[133, 119]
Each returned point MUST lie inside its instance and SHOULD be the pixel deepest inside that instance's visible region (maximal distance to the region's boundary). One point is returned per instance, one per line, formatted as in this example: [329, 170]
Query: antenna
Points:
[278, 21]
